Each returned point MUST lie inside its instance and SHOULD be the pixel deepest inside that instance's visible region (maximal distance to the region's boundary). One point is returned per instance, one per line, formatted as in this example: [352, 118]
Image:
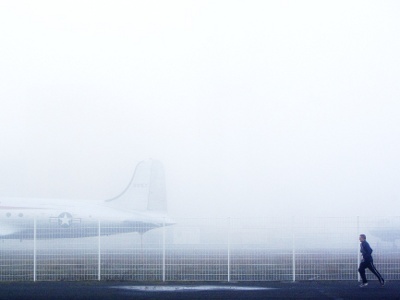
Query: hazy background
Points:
[256, 108]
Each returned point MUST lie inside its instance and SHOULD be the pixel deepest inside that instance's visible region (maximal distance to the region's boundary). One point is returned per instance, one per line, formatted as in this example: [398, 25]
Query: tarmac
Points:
[198, 290]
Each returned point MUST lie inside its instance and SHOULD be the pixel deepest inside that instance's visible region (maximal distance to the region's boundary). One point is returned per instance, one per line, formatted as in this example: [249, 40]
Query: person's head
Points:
[362, 237]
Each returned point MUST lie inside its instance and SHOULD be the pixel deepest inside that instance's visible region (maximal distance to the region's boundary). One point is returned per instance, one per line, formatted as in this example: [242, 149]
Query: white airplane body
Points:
[139, 208]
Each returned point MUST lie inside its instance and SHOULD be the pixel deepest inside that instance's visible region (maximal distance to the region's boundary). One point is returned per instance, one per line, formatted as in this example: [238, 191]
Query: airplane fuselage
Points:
[36, 218]
[139, 208]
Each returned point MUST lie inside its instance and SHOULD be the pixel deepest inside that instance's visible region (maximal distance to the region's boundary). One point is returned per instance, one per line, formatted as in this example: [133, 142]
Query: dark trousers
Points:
[368, 265]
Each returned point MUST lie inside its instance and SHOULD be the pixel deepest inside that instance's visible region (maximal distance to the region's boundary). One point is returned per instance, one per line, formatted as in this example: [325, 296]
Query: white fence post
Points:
[99, 253]
[34, 249]
[229, 249]
[358, 249]
[163, 259]
[293, 253]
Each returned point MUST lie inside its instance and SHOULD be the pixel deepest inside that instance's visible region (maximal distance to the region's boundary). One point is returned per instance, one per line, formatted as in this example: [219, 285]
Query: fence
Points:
[271, 249]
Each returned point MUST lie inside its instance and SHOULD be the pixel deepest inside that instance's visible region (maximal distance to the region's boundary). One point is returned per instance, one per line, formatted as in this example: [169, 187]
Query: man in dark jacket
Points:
[367, 262]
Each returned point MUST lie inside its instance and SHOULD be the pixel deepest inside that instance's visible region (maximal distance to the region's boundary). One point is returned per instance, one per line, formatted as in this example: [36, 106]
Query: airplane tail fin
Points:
[145, 191]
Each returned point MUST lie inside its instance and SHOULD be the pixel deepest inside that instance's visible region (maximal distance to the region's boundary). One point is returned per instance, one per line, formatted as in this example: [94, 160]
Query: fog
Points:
[255, 108]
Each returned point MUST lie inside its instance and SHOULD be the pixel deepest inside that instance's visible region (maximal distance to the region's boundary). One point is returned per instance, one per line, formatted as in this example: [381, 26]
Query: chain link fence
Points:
[269, 249]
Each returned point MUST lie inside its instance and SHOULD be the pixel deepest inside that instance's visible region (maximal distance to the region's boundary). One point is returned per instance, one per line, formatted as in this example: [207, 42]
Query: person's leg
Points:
[361, 270]
[372, 268]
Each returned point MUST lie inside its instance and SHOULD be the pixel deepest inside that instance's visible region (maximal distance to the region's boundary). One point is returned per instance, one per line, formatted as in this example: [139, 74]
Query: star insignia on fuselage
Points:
[65, 220]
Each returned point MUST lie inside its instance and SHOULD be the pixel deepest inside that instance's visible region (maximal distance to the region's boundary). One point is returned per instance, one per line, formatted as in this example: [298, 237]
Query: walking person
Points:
[367, 262]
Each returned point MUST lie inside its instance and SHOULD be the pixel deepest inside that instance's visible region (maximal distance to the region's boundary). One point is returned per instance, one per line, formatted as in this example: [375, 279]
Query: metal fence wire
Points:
[202, 249]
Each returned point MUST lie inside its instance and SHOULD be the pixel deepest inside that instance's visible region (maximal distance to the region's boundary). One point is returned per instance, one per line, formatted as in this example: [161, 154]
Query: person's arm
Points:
[366, 251]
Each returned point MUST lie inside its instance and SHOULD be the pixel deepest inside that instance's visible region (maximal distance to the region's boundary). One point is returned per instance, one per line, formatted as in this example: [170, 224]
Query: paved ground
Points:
[198, 290]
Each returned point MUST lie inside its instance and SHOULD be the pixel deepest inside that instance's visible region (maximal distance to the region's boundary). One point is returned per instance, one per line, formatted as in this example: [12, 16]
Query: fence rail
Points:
[271, 249]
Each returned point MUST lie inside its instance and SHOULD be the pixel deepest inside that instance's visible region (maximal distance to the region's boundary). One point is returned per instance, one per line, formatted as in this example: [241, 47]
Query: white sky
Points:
[256, 108]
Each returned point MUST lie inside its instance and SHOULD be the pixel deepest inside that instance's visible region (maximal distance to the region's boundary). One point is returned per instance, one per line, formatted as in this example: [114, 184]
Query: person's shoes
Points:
[363, 285]
[382, 282]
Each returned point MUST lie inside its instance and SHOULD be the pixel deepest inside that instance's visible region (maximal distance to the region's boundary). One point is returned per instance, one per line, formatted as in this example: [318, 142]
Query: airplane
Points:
[140, 207]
